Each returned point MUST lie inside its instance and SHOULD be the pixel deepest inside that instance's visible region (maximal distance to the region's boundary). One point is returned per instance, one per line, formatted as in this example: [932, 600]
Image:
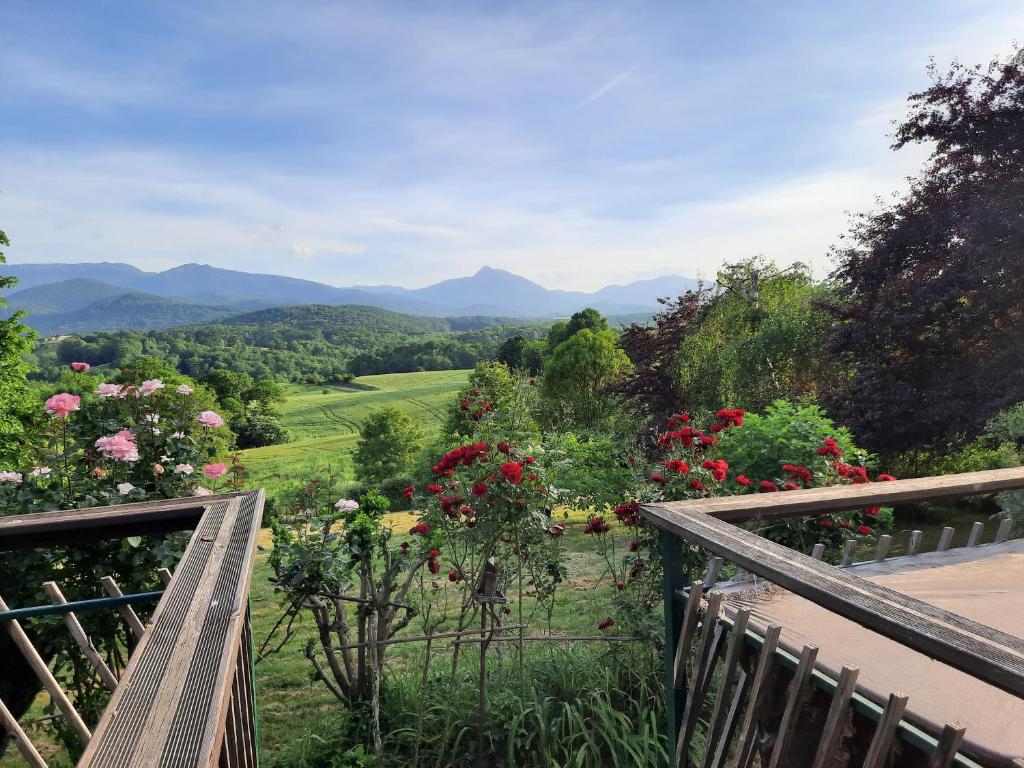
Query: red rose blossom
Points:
[743, 480]
[767, 486]
[605, 623]
[512, 471]
[479, 489]
[864, 530]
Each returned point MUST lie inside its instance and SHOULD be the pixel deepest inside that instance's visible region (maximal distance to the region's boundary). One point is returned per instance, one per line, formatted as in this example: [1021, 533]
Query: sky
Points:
[575, 143]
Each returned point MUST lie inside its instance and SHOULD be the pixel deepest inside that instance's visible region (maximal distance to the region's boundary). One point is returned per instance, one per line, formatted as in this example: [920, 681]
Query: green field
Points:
[325, 421]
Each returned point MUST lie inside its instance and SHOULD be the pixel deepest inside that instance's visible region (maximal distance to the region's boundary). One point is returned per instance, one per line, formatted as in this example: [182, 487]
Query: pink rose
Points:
[213, 471]
[80, 367]
[63, 404]
[184, 389]
[110, 390]
[120, 446]
[210, 419]
[10, 477]
[150, 386]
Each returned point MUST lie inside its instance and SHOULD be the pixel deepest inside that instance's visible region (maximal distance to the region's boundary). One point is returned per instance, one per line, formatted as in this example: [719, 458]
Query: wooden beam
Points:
[885, 731]
[797, 692]
[950, 739]
[127, 612]
[983, 652]
[25, 746]
[75, 526]
[57, 694]
[816, 501]
[758, 690]
[81, 638]
[838, 713]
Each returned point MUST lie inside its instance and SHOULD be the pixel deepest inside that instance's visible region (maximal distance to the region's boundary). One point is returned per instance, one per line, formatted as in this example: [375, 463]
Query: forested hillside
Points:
[313, 344]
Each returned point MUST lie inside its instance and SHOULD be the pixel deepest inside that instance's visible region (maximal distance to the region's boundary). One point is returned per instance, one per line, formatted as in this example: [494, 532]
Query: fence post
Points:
[674, 579]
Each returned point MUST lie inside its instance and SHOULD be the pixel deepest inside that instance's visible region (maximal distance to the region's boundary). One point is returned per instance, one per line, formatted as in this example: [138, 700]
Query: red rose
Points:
[605, 623]
[873, 511]
[420, 529]
[596, 525]
[434, 566]
[505, 448]
[792, 487]
[454, 576]
[556, 531]
[864, 530]
[657, 477]
[696, 484]
[464, 405]
[479, 489]
[512, 471]
[884, 477]
[826, 522]
[634, 545]
[767, 486]
[434, 489]
[408, 491]
[743, 480]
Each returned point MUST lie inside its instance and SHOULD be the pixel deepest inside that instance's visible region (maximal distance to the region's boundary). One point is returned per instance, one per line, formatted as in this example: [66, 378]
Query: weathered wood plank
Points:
[945, 539]
[711, 573]
[690, 616]
[171, 706]
[797, 692]
[732, 659]
[57, 694]
[950, 739]
[986, 653]
[838, 712]
[695, 691]
[848, 549]
[833, 498]
[1003, 532]
[914, 543]
[885, 731]
[81, 638]
[74, 526]
[883, 547]
[974, 539]
[21, 739]
[758, 689]
[127, 612]
[729, 730]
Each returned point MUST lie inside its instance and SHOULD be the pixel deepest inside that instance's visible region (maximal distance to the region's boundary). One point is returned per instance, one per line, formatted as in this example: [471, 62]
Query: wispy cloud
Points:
[607, 88]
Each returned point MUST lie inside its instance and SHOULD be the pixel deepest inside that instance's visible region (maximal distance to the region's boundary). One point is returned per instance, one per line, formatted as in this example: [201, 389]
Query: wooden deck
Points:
[186, 698]
[700, 635]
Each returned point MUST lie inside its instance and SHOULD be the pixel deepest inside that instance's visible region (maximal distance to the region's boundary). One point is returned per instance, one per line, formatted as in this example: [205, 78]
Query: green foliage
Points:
[592, 471]
[490, 385]
[588, 318]
[388, 441]
[758, 338]
[312, 344]
[15, 341]
[577, 373]
[785, 434]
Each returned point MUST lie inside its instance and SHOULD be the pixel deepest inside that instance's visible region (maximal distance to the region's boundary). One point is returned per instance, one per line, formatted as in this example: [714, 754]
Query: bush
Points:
[394, 490]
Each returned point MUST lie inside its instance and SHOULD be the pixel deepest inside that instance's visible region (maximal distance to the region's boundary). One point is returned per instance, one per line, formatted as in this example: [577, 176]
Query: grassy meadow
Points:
[324, 421]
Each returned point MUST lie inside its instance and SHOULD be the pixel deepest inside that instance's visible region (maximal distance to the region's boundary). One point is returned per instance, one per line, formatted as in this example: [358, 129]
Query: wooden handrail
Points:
[810, 501]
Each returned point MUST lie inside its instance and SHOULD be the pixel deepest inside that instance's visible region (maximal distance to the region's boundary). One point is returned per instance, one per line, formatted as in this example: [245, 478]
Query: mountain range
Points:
[66, 298]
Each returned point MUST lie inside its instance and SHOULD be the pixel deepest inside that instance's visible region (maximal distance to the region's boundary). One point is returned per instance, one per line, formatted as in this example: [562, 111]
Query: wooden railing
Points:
[696, 629]
[186, 698]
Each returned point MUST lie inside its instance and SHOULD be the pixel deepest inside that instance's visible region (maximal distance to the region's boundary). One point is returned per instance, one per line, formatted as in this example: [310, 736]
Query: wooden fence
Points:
[186, 697]
[703, 645]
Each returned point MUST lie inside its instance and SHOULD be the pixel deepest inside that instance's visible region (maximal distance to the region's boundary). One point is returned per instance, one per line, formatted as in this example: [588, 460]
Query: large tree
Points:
[932, 286]
[15, 341]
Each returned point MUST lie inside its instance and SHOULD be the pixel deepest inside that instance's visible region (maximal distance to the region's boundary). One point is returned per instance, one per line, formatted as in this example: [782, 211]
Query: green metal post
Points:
[673, 582]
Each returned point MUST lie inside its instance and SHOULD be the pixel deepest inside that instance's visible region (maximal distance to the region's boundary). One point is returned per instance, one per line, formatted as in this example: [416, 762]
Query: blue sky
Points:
[373, 142]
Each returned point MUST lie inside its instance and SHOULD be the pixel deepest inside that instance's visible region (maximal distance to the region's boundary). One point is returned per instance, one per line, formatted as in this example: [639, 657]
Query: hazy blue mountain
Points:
[138, 311]
[489, 292]
[65, 296]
